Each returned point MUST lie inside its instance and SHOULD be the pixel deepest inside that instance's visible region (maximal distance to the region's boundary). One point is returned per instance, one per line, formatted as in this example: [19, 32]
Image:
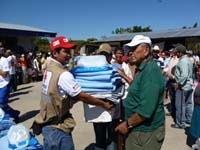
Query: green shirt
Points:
[145, 96]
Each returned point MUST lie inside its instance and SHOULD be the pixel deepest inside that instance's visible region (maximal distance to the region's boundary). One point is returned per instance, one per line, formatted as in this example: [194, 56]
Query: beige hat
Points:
[105, 47]
[156, 48]
[8, 51]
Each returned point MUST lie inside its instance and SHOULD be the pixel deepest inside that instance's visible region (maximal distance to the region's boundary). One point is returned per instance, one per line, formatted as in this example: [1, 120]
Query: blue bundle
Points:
[96, 79]
[96, 76]
[5, 124]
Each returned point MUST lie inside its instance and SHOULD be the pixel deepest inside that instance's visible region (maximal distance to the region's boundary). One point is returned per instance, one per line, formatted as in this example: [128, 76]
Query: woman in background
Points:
[195, 123]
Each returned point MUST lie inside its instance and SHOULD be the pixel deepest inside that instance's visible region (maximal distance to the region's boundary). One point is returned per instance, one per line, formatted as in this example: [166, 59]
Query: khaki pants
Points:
[137, 140]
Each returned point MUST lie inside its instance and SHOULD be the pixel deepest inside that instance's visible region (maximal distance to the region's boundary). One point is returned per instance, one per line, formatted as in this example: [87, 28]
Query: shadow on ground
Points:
[168, 107]
[18, 93]
[90, 147]
[28, 115]
[13, 99]
[190, 139]
[23, 88]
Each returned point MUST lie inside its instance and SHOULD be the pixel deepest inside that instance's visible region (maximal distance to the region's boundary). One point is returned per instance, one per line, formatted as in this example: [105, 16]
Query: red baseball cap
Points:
[60, 42]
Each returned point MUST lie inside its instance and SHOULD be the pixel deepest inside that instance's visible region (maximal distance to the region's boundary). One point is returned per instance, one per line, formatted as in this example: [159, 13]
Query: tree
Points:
[41, 44]
[132, 29]
[80, 43]
[195, 25]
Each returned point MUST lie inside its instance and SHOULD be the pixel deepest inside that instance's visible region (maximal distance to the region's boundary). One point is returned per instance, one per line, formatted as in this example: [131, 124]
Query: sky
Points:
[83, 19]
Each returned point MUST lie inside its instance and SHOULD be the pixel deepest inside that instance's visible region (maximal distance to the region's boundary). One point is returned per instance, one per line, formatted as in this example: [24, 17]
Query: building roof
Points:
[165, 34]
[13, 29]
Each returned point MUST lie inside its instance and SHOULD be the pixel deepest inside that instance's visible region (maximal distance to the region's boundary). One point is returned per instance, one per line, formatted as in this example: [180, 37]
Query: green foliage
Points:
[42, 44]
[132, 29]
[195, 25]
[80, 43]
[91, 39]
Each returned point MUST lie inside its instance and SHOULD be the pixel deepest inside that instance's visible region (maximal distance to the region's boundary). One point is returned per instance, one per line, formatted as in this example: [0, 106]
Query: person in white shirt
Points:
[36, 67]
[5, 88]
[12, 62]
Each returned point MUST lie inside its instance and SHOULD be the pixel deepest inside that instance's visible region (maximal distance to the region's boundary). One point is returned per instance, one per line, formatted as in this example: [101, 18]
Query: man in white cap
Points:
[144, 110]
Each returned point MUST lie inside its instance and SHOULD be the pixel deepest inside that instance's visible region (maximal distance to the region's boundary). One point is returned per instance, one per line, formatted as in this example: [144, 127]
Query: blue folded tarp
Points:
[103, 78]
[91, 69]
[95, 84]
[5, 125]
[107, 72]
[90, 90]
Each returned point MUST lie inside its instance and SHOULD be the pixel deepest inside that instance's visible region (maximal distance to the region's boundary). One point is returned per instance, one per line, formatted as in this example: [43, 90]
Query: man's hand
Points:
[176, 86]
[121, 72]
[3, 73]
[123, 75]
[122, 128]
[107, 106]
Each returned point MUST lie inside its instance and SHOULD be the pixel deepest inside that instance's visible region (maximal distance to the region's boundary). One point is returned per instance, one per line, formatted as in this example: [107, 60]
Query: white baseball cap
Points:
[138, 39]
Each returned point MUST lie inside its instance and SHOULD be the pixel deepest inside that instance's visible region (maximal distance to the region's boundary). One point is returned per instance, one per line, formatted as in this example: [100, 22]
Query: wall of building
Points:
[25, 42]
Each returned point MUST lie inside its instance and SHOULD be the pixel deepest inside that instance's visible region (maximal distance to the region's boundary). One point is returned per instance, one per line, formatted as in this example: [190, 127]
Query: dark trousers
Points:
[172, 95]
[13, 82]
[104, 133]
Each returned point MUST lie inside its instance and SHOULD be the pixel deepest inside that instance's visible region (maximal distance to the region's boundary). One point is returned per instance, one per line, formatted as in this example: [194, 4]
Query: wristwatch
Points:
[128, 126]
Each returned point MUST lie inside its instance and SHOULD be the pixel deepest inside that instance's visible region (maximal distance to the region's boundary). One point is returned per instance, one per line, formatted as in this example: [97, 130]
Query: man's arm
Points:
[123, 75]
[134, 120]
[93, 101]
[3, 73]
[181, 73]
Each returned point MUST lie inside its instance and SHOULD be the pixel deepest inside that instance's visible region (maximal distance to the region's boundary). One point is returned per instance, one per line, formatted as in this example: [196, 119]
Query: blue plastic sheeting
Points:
[107, 72]
[91, 69]
[95, 84]
[33, 144]
[95, 78]
[89, 90]
[116, 66]
[97, 60]
[5, 124]
[114, 96]
[102, 78]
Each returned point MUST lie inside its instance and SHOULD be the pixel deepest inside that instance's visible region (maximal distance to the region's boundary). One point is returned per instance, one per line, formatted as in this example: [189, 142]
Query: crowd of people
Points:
[16, 69]
[179, 67]
[149, 75]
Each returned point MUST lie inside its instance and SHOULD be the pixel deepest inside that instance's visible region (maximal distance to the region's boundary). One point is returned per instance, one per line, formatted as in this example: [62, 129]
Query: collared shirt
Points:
[145, 97]
[173, 61]
[183, 73]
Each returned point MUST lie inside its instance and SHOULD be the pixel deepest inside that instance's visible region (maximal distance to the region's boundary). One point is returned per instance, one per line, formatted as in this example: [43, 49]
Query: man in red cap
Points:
[59, 91]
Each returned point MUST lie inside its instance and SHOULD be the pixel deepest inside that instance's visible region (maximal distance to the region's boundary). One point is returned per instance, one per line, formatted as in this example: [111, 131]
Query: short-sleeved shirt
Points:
[4, 66]
[67, 85]
[145, 97]
[183, 73]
